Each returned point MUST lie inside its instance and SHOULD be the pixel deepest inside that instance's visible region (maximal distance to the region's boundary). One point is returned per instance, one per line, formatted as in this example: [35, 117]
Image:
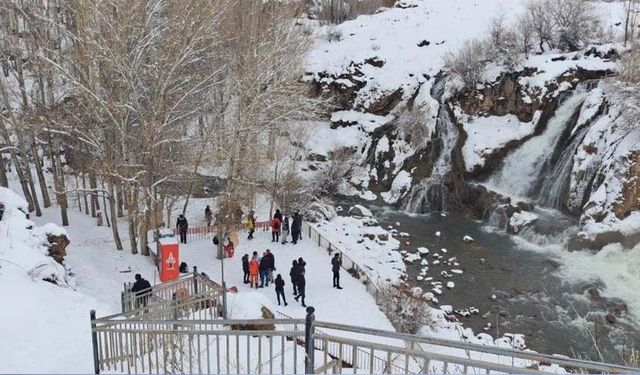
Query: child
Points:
[280, 289]
[254, 268]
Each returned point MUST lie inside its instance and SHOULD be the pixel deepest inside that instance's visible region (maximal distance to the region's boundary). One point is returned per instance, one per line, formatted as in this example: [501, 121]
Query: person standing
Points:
[336, 263]
[280, 289]
[142, 291]
[254, 269]
[245, 268]
[278, 215]
[275, 229]
[271, 264]
[208, 215]
[293, 275]
[99, 218]
[301, 288]
[182, 225]
[296, 227]
[251, 224]
[264, 269]
[285, 229]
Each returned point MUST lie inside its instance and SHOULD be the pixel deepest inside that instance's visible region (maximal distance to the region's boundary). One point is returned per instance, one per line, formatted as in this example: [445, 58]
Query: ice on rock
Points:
[428, 278]
[457, 271]
[397, 223]
[451, 284]
[390, 227]
[436, 255]
[419, 278]
[445, 274]
[447, 308]
[494, 297]
[467, 239]
[403, 252]
[410, 258]
[438, 234]
[424, 262]
[416, 291]
[404, 234]
[423, 250]
[435, 262]
[443, 250]
[437, 291]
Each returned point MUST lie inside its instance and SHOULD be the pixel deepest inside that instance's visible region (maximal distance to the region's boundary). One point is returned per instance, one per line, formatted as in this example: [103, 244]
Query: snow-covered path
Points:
[351, 305]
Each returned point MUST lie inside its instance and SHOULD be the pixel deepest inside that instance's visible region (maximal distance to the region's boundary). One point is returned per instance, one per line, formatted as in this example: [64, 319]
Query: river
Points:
[532, 297]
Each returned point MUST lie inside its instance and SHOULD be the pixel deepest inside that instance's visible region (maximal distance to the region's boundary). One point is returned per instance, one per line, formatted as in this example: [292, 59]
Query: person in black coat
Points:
[245, 268]
[142, 290]
[294, 276]
[336, 262]
[302, 282]
[280, 289]
[278, 215]
[271, 264]
[296, 227]
[182, 225]
[264, 268]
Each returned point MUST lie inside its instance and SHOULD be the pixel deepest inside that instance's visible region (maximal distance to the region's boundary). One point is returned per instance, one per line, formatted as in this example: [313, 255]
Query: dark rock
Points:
[383, 237]
[525, 206]
[424, 43]
[375, 61]
[594, 294]
[58, 246]
[611, 318]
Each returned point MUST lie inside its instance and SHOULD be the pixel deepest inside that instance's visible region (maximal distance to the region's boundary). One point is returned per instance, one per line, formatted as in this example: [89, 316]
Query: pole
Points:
[94, 342]
[224, 300]
[195, 280]
[308, 341]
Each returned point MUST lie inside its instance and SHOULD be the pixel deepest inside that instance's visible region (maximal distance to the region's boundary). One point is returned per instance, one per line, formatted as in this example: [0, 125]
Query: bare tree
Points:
[631, 11]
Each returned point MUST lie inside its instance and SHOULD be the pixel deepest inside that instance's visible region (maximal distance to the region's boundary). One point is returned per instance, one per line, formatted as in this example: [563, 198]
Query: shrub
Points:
[467, 63]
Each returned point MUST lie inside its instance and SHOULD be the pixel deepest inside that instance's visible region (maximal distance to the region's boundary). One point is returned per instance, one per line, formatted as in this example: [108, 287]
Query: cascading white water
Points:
[430, 194]
[555, 184]
[522, 168]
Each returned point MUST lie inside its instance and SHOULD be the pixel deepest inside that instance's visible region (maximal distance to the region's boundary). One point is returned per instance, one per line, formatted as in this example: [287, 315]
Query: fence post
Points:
[309, 362]
[122, 301]
[224, 300]
[175, 309]
[94, 342]
[195, 280]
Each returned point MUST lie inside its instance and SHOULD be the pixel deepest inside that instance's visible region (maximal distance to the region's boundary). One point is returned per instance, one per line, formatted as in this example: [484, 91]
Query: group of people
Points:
[258, 267]
[282, 226]
[263, 267]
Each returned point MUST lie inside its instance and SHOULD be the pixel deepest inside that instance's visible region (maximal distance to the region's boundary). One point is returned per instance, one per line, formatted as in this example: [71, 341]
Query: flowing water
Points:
[430, 194]
[523, 167]
[534, 295]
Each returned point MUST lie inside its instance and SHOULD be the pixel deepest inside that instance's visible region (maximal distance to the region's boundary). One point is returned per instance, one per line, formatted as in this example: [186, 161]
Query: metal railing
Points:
[295, 346]
[185, 286]
[203, 233]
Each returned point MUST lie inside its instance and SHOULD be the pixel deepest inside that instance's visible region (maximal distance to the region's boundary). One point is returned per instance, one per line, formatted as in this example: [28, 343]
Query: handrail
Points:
[529, 355]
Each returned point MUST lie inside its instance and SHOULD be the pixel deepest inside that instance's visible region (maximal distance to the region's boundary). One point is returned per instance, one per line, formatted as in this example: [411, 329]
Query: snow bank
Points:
[485, 135]
[247, 305]
[26, 246]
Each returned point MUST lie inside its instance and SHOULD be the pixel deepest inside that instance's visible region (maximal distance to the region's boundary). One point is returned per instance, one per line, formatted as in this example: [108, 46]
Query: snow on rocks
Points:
[423, 251]
[375, 254]
[438, 234]
[457, 271]
[467, 239]
[451, 284]
[410, 258]
[360, 211]
[424, 262]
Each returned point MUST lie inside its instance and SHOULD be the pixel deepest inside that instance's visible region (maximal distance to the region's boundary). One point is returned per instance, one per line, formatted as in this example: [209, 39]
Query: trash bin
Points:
[169, 258]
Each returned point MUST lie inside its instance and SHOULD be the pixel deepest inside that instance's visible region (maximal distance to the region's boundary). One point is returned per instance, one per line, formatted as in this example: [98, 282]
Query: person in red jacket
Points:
[275, 229]
[254, 269]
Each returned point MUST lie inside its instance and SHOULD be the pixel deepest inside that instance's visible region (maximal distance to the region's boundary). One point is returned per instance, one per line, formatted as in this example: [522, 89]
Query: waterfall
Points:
[522, 168]
[554, 185]
[430, 194]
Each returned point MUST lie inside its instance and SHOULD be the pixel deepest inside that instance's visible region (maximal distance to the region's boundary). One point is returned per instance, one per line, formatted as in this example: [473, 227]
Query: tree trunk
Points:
[104, 204]
[131, 212]
[84, 194]
[93, 185]
[46, 201]
[120, 198]
[4, 181]
[61, 194]
[78, 193]
[112, 208]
